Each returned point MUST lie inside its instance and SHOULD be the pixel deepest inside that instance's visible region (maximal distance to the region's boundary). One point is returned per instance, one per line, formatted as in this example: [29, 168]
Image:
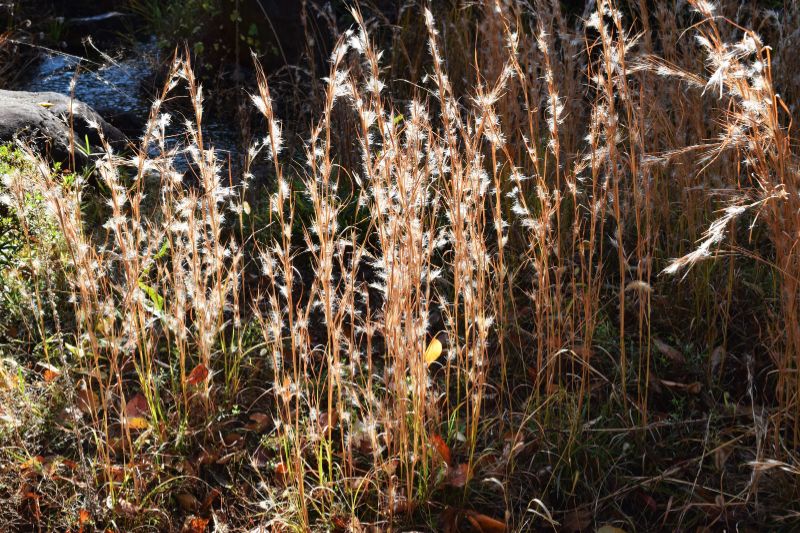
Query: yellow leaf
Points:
[50, 372]
[46, 104]
[434, 351]
[137, 422]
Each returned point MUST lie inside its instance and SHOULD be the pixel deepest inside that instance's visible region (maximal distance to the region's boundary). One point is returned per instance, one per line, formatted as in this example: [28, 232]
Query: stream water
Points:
[114, 87]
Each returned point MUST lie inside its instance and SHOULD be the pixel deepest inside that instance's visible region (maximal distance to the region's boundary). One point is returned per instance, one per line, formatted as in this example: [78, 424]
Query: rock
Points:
[43, 118]
[103, 28]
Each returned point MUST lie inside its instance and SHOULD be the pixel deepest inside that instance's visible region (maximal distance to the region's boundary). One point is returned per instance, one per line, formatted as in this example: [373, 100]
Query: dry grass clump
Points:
[433, 331]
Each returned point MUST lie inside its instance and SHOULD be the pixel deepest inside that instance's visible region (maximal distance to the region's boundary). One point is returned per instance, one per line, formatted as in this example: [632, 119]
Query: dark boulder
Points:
[44, 119]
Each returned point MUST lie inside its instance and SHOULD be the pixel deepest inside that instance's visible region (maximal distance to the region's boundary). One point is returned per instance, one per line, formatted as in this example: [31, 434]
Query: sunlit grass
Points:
[467, 325]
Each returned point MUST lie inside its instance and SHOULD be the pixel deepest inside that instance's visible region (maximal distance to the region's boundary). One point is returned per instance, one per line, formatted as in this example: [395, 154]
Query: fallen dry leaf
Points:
[281, 472]
[261, 457]
[716, 359]
[327, 420]
[259, 422]
[433, 351]
[402, 505]
[188, 502]
[210, 498]
[441, 447]
[340, 523]
[87, 400]
[485, 524]
[83, 518]
[233, 439]
[577, 520]
[207, 457]
[137, 423]
[669, 352]
[449, 520]
[124, 507]
[50, 372]
[194, 524]
[458, 476]
[692, 388]
[197, 375]
[137, 406]
[117, 473]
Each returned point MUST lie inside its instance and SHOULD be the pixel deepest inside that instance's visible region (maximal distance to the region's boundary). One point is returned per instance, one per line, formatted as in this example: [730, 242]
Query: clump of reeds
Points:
[471, 252]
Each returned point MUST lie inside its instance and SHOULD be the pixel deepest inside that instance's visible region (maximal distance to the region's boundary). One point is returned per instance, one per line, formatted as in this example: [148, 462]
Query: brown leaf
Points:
[259, 422]
[485, 524]
[340, 523]
[716, 359]
[87, 400]
[327, 420]
[577, 520]
[363, 444]
[31, 499]
[402, 505]
[126, 508]
[212, 497]
[441, 447]
[197, 375]
[188, 502]
[458, 476]
[261, 457]
[669, 352]
[137, 406]
[194, 524]
[655, 384]
[692, 388]
[490, 465]
[117, 473]
[281, 473]
[83, 517]
[233, 439]
[207, 457]
[117, 444]
[449, 520]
